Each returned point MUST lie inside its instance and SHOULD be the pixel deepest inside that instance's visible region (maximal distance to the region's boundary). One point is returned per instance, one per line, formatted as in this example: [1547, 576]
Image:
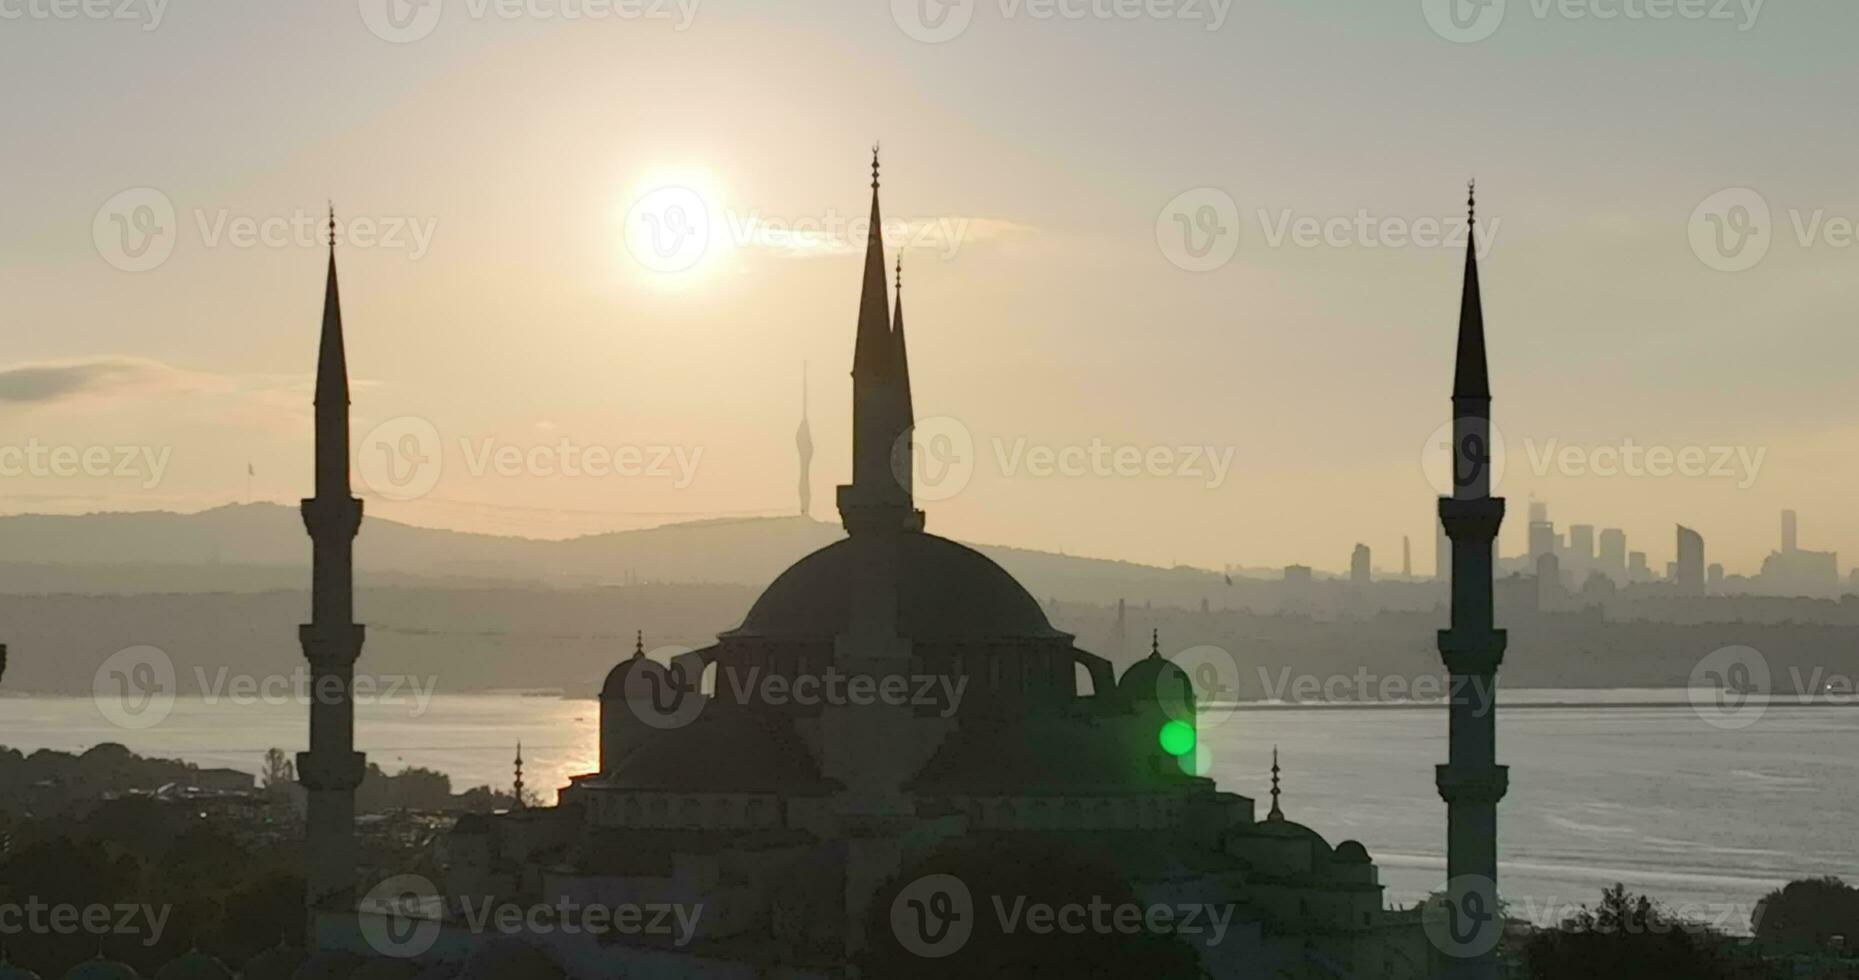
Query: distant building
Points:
[1792, 571]
[1543, 538]
[1612, 559]
[1688, 570]
[1637, 569]
[1548, 582]
[1713, 578]
[1359, 574]
[1407, 557]
[1580, 555]
[1442, 552]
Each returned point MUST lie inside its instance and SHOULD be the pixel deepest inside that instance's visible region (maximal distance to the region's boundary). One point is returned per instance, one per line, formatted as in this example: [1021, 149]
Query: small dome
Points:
[614, 688]
[1351, 852]
[8, 971]
[1157, 679]
[945, 591]
[101, 969]
[510, 958]
[277, 963]
[471, 825]
[388, 969]
[327, 964]
[194, 965]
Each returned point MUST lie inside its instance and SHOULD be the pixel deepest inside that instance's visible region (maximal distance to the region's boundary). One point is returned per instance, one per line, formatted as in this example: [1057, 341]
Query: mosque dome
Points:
[1351, 852]
[510, 959]
[614, 688]
[277, 963]
[1156, 678]
[194, 965]
[101, 969]
[8, 971]
[328, 964]
[945, 591]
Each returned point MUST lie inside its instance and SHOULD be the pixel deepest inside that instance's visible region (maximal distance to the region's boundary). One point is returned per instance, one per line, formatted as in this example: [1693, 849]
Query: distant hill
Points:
[256, 547]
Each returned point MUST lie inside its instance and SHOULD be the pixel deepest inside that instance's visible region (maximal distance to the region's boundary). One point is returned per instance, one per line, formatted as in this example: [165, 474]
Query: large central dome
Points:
[945, 592]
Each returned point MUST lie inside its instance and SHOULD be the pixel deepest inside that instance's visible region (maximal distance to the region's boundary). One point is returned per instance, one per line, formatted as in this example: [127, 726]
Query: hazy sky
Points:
[161, 281]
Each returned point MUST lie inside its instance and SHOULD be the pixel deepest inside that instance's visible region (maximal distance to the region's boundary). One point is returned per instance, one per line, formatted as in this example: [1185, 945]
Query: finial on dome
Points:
[639, 644]
[1155, 643]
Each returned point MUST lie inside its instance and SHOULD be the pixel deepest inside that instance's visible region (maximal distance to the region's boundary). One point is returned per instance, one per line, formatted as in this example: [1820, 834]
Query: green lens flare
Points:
[1177, 738]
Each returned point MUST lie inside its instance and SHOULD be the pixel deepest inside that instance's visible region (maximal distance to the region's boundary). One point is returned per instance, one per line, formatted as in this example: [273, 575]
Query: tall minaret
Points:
[901, 463]
[1471, 782]
[879, 497]
[516, 786]
[331, 769]
[803, 443]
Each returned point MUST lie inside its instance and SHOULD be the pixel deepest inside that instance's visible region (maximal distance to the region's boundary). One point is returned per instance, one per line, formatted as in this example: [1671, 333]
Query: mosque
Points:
[895, 766]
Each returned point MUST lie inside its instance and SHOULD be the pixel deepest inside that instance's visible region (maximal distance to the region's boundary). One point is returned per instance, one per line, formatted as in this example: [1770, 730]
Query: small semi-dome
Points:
[1157, 679]
[387, 968]
[327, 964]
[101, 968]
[614, 688]
[1351, 852]
[11, 971]
[510, 958]
[280, 962]
[471, 825]
[194, 965]
[945, 591]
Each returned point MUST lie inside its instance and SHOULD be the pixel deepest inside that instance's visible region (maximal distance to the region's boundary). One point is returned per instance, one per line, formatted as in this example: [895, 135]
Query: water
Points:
[1701, 817]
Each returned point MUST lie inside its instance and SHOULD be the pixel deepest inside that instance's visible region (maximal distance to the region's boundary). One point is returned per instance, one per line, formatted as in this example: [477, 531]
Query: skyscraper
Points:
[1613, 557]
[1688, 570]
[1360, 573]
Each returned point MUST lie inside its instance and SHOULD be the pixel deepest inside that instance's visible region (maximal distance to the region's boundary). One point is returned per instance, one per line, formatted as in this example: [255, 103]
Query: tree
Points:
[279, 771]
[1625, 935]
[1813, 910]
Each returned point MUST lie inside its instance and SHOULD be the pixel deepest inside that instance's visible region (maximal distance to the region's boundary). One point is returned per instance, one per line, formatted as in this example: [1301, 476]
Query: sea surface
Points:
[1606, 786]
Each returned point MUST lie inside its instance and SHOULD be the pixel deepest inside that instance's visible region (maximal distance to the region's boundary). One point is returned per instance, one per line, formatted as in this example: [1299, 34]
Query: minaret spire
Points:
[331, 769]
[1276, 813]
[1471, 782]
[517, 786]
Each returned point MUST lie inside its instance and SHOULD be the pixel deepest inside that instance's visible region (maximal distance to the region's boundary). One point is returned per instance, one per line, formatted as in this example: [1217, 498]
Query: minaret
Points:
[331, 769]
[907, 418]
[1471, 782]
[1276, 814]
[516, 787]
[803, 443]
[879, 497]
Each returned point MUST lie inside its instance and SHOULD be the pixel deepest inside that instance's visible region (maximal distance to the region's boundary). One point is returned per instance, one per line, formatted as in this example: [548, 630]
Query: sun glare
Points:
[674, 230]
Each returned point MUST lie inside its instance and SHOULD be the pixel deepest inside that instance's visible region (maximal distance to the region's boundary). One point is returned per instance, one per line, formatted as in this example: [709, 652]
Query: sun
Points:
[673, 227]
